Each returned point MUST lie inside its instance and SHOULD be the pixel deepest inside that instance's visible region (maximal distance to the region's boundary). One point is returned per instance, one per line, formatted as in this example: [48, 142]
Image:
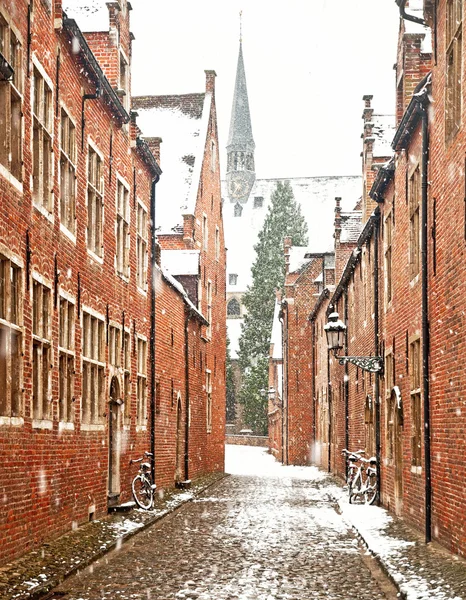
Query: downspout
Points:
[406, 16]
[425, 324]
[313, 389]
[346, 379]
[152, 324]
[377, 348]
[329, 404]
[280, 318]
[186, 393]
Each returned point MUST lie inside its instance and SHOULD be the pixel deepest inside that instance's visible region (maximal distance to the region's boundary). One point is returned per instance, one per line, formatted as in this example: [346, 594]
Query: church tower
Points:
[241, 174]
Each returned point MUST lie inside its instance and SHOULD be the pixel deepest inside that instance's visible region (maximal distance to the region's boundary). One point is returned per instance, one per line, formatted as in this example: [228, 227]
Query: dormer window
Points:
[233, 279]
[258, 201]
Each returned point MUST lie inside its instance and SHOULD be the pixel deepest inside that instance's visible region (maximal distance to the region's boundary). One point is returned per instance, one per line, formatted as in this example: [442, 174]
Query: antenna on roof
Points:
[240, 26]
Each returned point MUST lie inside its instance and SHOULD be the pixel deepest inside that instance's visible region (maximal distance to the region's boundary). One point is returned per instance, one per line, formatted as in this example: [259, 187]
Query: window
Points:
[67, 173]
[258, 201]
[127, 376]
[453, 60]
[10, 102]
[10, 339]
[208, 389]
[42, 142]
[141, 247]
[238, 210]
[66, 360]
[122, 230]
[233, 308]
[114, 346]
[233, 279]
[414, 191]
[205, 232]
[94, 202]
[388, 374]
[209, 308]
[41, 351]
[123, 90]
[388, 256]
[217, 243]
[141, 382]
[93, 350]
[369, 425]
[416, 420]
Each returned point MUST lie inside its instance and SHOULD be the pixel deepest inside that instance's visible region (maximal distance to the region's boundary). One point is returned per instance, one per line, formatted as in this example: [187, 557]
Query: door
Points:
[114, 417]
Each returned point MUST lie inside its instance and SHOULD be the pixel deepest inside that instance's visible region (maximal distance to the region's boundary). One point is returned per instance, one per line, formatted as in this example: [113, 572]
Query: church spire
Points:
[240, 147]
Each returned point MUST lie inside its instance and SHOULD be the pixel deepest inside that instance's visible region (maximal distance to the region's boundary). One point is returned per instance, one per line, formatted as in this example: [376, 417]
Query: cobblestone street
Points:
[248, 537]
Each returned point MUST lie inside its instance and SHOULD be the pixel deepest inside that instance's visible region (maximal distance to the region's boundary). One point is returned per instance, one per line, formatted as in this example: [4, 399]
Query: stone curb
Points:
[44, 574]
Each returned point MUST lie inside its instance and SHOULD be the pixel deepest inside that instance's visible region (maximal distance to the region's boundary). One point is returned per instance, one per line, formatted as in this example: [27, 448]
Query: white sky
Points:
[308, 64]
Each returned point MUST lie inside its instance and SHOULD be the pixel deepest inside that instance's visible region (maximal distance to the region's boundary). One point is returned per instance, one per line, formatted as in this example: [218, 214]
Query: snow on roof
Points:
[234, 333]
[90, 15]
[181, 262]
[177, 285]
[383, 132]
[298, 257]
[181, 122]
[316, 195]
[416, 28]
[351, 226]
[276, 336]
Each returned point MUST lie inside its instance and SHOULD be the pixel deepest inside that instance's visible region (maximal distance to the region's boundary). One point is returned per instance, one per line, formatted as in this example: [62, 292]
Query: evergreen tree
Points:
[283, 219]
[231, 388]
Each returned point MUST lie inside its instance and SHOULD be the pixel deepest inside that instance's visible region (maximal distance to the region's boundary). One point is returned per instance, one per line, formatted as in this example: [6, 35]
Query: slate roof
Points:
[181, 121]
[240, 136]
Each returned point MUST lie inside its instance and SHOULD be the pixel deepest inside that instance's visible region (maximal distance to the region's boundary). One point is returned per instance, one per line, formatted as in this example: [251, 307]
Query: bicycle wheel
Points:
[356, 495]
[143, 493]
[370, 493]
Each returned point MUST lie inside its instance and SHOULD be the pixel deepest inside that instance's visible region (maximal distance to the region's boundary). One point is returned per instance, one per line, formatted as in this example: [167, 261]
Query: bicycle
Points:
[142, 486]
[362, 482]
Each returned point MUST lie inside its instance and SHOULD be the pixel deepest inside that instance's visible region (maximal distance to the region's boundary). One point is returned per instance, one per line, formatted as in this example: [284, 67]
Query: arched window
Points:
[233, 308]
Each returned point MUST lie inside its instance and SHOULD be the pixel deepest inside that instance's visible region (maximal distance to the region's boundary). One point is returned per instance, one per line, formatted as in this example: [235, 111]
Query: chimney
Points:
[287, 242]
[337, 233]
[154, 145]
[210, 81]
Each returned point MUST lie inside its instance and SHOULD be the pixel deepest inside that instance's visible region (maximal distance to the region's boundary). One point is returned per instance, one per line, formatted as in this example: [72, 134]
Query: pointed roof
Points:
[240, 136]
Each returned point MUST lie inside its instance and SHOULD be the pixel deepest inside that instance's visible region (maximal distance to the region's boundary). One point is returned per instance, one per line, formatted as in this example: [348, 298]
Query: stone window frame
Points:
[68, 178]
[93, 370]
[414, 207]
[142, 245]
[11, 328]
[95, 193]
[127, 377]
[235, 315]
[43, 120]
[11, 101]
[124, 79]
[141, 383]
[122, 228]
[388, 241]
[453, 67]
[42, 352]
[209, 308]
[232, 278]
[208, 389]
[415, 375]
[66, 359]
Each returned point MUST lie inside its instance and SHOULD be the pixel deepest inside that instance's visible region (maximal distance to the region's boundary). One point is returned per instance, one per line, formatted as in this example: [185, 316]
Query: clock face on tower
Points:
[238, 188]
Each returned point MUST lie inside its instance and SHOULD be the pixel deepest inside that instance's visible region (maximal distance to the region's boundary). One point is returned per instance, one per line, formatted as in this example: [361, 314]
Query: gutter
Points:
[412, 115]
[404, 15]
[384, 175]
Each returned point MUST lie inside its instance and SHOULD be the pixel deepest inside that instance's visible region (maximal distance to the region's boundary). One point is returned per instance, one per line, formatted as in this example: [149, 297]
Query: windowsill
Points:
[126, 427]
[413, 281]
[209, 430]
[96, 257]
[141, 428]
[92, 427]
[44, 212]
[416, 470]
[42, 424]
[71, 236]
[4, 172]
[12, 421]
[142, 291]
[125, 278]
[65, 426]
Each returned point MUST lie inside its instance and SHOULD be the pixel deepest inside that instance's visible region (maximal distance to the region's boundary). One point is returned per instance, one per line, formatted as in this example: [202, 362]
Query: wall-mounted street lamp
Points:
[335, 331]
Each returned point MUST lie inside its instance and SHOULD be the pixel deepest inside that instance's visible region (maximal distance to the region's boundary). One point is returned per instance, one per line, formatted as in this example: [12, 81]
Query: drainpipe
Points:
[425, 324]
[346, 380]
[186, 393]
[313, 388]
[285, 384]
[377, 348]
[406, 16]
[329, 404]
[152, 324]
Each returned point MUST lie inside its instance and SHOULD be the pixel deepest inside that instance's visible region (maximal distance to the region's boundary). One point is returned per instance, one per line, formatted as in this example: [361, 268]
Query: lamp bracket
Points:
[373, 364]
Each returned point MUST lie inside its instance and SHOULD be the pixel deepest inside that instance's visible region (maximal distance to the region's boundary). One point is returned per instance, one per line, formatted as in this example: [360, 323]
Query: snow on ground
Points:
[248, 460]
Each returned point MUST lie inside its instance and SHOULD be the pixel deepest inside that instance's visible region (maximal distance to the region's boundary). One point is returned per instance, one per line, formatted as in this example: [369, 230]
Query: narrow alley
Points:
[265, 532]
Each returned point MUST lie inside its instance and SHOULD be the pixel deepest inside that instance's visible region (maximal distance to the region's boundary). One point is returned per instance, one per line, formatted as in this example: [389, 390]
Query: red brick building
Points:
[78, 393]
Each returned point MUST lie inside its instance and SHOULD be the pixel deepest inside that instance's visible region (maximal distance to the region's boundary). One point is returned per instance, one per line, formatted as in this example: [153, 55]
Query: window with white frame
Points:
[10, 339]
[416, 416]
[208, 389]
[67, 173]
[141, 246]
[41, 351]
[114, 346]
[122, 230]
[42, 142]
[209, 308]
[94, 203]
[141, 382]
[414, 222]
[10, 102]
[388, 255]
[93, 356]
[127, 376]
[66, 350]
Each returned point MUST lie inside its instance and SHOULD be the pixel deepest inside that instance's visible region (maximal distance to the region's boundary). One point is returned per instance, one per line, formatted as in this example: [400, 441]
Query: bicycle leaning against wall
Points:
[142, 486]
[361, 478]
